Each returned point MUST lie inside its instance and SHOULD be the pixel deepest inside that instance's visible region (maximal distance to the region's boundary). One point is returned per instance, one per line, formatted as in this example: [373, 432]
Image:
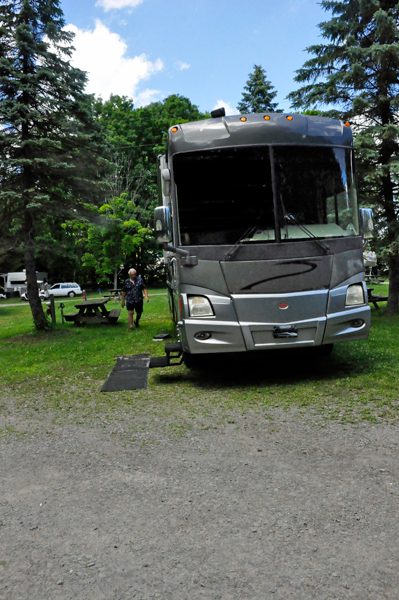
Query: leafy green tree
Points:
[141, 132]
[258, 94]
[357, 71]
[137, 137]
[49, 142]
[112, 235]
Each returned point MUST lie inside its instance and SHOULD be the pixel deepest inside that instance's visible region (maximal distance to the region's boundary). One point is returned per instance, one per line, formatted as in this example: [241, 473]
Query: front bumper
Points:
[234, 336]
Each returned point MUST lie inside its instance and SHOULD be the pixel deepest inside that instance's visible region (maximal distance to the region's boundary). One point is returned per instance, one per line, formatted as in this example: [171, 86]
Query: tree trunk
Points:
[116, 278]
[38, 315]
[388, 150]
[393, 295]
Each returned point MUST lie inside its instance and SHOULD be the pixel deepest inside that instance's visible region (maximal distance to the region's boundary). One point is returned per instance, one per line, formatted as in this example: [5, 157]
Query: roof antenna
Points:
[218, 112]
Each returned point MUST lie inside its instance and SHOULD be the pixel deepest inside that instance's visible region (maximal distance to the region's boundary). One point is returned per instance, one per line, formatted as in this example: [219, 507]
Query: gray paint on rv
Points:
[338, 326]
[275, 276]
[222, 305]
[264, 308]
[278, 276]
[230, 131]
[337, 299]
[207, 274]
[260, 265]
[285, 250]
[226, 337]
[345, 265]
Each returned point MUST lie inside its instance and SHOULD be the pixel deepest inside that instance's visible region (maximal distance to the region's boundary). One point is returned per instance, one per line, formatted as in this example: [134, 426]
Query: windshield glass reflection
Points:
[225, 196]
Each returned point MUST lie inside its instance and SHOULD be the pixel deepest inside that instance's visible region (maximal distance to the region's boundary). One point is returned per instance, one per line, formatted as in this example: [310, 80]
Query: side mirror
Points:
[166, 182]
[366, 223]
[163, 225]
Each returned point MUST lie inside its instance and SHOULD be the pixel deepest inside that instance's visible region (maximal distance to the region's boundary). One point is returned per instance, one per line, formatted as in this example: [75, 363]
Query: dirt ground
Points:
[256, 509]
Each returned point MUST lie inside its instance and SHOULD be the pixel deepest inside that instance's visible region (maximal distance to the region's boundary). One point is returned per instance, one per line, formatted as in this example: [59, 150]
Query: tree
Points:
[111, 236]
[357, 71]
[259, 94]
[137, 136]
[49, 142]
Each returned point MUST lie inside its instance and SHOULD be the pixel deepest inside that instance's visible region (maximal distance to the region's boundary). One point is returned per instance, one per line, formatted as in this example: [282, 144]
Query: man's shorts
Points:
[137, 306]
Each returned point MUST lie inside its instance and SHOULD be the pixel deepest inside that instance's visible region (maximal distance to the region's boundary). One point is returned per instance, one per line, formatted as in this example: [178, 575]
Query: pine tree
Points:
[48, 143]
[357, 71]
[258, 94]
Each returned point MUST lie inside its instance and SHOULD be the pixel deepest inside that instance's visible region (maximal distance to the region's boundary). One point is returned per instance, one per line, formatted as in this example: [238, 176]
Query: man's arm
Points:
[123, 299]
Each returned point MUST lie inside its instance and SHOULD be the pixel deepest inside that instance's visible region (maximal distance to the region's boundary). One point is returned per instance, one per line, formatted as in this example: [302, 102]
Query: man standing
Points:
[132, 290]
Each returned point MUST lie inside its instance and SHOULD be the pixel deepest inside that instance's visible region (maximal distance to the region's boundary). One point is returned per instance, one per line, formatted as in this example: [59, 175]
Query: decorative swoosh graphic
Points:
[312, 266]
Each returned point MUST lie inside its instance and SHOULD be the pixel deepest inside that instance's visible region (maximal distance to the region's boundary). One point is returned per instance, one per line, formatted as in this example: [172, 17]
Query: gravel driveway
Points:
[257, 509]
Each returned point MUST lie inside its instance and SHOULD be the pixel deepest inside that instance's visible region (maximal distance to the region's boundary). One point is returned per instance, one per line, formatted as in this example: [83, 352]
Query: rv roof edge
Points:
[233, 131]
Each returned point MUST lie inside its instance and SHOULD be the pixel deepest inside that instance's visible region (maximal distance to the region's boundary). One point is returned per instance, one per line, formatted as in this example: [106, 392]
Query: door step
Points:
[173, 351]
[131, 372]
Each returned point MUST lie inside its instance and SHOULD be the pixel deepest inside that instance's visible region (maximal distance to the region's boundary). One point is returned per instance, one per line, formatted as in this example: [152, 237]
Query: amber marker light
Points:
[243, 119]
[347, 124]
[174, 129]
[267, 118]
[289, 118]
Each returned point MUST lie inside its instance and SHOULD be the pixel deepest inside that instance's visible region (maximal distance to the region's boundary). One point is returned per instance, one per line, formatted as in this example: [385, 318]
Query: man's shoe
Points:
[131, 329]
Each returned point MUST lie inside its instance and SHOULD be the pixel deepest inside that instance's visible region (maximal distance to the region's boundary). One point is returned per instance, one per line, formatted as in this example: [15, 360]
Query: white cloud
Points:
[146, 97]
[228, 108]
[181, 66]
[110, 4]
[102, 54]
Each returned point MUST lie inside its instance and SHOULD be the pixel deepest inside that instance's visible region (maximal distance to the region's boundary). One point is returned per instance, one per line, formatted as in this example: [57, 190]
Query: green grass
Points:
[59, 374]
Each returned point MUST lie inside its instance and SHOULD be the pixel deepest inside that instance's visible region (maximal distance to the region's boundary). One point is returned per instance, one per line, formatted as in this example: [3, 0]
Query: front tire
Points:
[193, 361]
[326, 349]
[71, 294]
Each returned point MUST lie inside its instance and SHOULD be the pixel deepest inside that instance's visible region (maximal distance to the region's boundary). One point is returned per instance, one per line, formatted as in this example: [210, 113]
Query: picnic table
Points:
[374, 298]
[113, 294]
[93, 311]
[373, 279]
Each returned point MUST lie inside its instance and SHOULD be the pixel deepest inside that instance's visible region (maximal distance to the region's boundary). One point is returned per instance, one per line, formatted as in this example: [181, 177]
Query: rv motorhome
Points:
[262, 235]
[14, 284]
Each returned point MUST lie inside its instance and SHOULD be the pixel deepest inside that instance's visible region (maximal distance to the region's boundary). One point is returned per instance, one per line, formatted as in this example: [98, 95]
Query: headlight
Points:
[354, 295]
[199, 306]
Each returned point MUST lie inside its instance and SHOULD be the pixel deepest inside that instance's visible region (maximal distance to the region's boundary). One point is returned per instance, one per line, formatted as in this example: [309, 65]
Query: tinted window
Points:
[316, 186]
[223, 195]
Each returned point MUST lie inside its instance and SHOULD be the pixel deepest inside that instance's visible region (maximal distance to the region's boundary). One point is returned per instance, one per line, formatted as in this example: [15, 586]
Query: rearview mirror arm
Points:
[187, 259]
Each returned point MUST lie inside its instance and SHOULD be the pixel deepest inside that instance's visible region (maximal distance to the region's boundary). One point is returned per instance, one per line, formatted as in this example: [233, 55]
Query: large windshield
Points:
[226, 195]
[315, 185]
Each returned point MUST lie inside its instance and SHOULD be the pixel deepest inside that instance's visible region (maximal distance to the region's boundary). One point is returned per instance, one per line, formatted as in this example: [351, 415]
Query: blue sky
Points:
[201, 49]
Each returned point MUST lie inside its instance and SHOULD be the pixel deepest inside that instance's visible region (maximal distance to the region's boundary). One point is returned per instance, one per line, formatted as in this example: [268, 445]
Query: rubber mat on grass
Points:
[129, 373]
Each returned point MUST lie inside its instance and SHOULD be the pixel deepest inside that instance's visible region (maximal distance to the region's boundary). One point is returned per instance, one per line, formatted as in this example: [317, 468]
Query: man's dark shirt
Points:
[134, 291]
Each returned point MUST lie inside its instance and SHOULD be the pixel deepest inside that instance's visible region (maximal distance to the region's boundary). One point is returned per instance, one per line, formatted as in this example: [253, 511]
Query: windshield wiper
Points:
[291, 219]
[229, 255]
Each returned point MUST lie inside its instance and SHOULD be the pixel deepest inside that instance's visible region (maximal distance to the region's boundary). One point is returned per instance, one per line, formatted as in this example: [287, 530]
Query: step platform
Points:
[131, 372]
[173, 353]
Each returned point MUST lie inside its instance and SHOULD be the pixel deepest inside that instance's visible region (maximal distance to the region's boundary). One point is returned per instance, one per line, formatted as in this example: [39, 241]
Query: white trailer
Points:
[14, 284]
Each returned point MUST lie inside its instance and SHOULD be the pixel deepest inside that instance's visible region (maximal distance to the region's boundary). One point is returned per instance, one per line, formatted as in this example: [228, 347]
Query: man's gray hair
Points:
[132, 271]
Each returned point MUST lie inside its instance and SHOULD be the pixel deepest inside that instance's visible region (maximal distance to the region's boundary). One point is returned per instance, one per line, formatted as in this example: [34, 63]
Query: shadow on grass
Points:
[274, 367]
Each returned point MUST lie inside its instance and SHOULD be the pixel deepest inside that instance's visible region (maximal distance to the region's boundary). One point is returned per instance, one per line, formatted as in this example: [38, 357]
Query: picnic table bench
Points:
[375, 298]
[93, 311]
